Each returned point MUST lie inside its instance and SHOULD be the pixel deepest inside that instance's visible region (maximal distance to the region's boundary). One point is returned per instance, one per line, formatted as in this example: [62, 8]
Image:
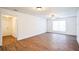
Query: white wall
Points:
[78, 26]
[0, 31]
[70, 25]
[27, 25]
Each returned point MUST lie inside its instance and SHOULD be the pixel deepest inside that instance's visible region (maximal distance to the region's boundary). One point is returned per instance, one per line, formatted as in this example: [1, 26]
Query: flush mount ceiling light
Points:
[52, 15]
[39, 8]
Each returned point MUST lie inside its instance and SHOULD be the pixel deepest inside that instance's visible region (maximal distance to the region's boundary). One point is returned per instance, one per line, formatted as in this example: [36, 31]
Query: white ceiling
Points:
[59, 12]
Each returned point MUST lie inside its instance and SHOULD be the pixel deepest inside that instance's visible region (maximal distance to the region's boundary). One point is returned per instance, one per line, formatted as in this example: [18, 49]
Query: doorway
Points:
[8, 26]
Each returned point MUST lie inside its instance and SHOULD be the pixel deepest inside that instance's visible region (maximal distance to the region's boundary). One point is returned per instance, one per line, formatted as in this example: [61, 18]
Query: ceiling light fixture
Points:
[39, 8]
[51, 15]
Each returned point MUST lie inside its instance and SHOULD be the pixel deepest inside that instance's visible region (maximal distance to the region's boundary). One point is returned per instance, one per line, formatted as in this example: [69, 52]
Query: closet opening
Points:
[9, 33]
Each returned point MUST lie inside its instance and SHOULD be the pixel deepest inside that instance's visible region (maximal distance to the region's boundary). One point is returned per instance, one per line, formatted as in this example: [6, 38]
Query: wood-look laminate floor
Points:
[43, 42]
[8, 43]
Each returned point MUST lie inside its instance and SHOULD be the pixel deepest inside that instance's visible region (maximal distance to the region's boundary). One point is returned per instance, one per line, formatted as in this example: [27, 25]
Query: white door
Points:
[6, 26]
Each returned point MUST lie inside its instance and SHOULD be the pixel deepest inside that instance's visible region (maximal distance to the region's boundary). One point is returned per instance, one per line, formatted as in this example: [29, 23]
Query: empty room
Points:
[39, 29]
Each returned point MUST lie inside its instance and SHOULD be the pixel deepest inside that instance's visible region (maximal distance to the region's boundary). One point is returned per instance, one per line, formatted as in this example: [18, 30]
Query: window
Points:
[59, 26]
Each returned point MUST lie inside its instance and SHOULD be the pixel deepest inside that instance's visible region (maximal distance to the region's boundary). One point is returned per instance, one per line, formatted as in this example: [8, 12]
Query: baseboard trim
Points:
[14, 37]
[45, 32]
[62, 34]
[9, 35]
[31, 36]
[6, 36]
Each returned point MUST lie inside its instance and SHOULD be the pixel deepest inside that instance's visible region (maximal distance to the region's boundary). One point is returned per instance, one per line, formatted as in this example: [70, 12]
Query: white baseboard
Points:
[30, 36]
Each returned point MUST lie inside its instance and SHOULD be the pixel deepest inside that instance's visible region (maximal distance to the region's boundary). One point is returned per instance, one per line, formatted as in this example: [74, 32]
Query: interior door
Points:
[6, 27]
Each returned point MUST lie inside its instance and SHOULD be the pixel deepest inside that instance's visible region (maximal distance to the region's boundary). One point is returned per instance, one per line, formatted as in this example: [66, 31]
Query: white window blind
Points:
[59, 26]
